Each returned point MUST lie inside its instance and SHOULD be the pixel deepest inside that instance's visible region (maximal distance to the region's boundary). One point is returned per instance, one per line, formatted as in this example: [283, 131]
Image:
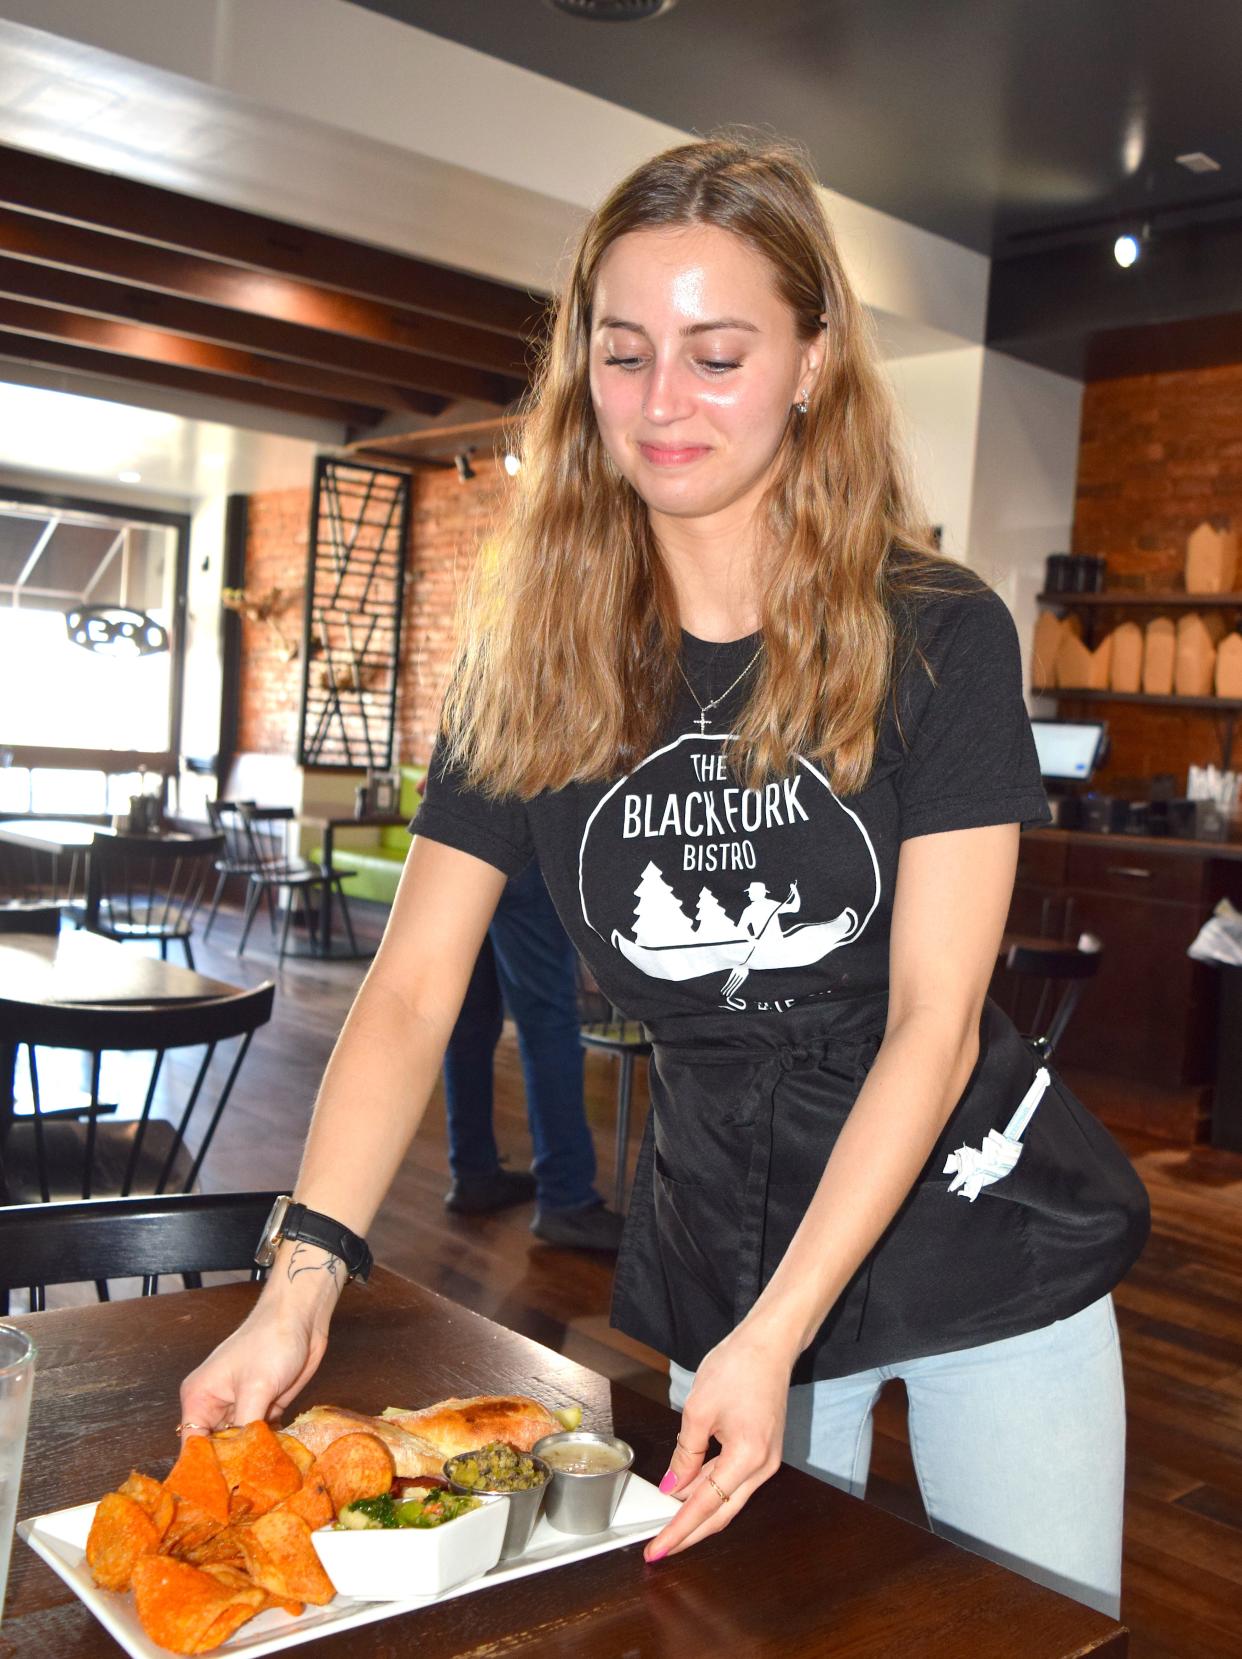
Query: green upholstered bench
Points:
[373, 871]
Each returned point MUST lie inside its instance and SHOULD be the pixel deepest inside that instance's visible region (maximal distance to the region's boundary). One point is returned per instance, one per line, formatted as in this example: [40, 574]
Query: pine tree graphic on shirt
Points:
[711, 920]
[658, 916]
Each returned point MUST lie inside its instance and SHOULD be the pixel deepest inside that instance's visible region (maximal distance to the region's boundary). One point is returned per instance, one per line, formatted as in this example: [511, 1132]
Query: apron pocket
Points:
[698, 1236]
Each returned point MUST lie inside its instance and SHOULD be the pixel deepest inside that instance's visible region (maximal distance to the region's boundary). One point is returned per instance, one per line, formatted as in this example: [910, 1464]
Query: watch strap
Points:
[312, 1227]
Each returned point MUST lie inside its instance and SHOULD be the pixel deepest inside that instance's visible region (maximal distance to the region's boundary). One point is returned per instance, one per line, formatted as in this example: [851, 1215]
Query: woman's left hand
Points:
[739, 1399]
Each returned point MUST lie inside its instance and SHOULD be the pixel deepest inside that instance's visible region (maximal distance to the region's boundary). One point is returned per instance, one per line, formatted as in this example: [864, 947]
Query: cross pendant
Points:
[703, 722]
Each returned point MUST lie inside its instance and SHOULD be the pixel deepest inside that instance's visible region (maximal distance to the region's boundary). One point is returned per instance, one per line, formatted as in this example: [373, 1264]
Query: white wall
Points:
[938, 395]
[1026, 468]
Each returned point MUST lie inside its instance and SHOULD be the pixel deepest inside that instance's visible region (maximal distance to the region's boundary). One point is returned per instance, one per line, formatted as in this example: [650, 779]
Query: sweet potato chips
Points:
[228, 1533]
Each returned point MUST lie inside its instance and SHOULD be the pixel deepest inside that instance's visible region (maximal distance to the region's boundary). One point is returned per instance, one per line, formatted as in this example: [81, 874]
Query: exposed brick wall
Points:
[1158, 454]
[448, 522]
[271, 686]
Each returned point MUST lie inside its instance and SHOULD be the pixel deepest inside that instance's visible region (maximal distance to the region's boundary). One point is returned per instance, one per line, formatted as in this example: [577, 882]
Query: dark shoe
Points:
[479, 1194]
[594, 1227]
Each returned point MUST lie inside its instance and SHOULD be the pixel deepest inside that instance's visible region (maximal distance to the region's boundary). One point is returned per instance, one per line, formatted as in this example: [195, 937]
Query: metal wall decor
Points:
[352, 628]
[115, 631]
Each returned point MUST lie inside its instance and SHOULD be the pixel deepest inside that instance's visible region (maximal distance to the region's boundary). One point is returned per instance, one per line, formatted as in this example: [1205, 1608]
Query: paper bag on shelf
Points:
[1211, 559]
[1079, 668]
[1159, 652]
[1073, 662]
[1195, 660]
[1044, 647]
[1125, 671]
[1229, 667]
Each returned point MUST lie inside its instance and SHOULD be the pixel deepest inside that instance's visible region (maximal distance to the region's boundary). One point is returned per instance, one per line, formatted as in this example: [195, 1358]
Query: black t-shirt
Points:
[688, 894]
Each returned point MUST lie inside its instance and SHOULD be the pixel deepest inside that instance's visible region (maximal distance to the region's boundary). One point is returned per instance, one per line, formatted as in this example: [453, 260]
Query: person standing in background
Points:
[527, 965]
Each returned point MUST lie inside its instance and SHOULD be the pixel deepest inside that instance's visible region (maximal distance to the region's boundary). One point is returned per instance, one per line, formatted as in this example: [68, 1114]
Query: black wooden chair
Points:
[50, 1150]
[188, 1234]
[237, 858]
[605, 1030]
[276, 869]
[1043, 983]
[149, 887]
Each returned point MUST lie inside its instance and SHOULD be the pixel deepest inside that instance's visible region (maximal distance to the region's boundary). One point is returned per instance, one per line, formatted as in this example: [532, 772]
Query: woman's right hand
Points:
[262, 1366]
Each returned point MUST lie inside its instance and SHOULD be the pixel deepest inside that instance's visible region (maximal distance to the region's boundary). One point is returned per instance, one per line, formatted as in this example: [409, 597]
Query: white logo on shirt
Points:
[708, 824]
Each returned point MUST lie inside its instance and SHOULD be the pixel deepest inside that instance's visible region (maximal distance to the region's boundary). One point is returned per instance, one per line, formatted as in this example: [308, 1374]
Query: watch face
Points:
[265, 1255]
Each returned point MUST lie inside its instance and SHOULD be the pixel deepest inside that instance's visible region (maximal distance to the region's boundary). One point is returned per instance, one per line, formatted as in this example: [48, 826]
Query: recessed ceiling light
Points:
[612, 11]
[130, 477]
[1195, 161]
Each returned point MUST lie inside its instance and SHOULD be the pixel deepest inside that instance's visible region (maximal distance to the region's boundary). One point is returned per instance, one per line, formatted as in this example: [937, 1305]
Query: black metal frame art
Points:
[351, 631]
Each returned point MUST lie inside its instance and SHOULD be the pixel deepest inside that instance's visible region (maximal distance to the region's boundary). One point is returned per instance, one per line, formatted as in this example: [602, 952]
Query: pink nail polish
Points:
[668, 1483]
[657, 1555]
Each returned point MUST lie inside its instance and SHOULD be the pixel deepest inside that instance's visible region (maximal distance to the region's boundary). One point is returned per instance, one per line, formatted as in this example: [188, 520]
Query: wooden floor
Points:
[1180, 1310]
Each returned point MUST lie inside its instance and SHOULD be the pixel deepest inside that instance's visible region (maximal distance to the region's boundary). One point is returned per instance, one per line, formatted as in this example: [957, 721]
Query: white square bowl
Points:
[397, 1563]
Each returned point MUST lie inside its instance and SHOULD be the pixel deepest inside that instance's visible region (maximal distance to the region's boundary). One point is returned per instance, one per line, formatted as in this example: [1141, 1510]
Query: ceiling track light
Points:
[1128, 249]
[465, 472]
[612, 11]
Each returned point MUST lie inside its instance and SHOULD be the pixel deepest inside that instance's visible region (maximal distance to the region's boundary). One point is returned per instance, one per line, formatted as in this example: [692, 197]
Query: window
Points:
[92, 602]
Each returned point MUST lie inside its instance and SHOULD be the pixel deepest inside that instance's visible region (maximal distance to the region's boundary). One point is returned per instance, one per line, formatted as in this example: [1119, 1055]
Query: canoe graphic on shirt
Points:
[803, 944]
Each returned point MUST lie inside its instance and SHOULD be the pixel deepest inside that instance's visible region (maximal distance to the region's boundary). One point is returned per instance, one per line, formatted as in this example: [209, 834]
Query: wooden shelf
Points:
[1217, 705]
[1143, 601]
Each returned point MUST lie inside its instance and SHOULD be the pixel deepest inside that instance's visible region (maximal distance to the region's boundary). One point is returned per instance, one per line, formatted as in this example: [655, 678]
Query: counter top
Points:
[1174, 846]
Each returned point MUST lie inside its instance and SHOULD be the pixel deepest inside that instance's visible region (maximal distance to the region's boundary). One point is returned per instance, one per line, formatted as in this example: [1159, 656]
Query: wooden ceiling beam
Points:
[117, 302]
[23, 349]
[105, 201]
[153, 345]
[280, 299]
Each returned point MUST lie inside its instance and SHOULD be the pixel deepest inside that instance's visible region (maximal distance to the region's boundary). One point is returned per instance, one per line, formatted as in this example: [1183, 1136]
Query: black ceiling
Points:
[1030, 130]
[975, 119]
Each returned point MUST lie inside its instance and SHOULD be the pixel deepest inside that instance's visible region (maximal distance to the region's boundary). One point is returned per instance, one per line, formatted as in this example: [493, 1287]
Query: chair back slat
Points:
[1042, 985]
[137, 1026]
[113, 1238]
[54, 1151]
[19, 917]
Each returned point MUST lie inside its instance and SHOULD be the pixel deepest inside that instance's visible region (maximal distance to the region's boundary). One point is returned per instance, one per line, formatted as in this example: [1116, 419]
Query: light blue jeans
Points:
[1019, 1447]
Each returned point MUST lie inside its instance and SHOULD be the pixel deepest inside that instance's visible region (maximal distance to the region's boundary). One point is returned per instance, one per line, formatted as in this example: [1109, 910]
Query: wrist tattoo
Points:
[298, 1262]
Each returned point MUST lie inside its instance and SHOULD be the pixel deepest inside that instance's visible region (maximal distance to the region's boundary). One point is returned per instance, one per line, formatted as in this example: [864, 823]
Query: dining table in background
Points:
[804, 1570]
[328, 827]
[71, 839]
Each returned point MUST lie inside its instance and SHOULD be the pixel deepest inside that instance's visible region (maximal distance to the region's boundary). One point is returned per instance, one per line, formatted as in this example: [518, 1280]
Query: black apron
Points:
[744, 1115]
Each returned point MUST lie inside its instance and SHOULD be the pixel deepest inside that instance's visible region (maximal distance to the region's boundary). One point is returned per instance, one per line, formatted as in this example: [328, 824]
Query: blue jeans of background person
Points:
[526, 965]
[1019, 1447]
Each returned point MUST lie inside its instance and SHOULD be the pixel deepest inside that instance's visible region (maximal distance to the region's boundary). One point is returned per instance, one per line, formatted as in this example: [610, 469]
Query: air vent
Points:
[1197, 162]
[612, 11]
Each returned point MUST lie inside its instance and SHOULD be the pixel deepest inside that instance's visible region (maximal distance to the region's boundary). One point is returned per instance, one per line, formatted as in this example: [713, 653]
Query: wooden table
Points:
[75, 966]
[803, 1571]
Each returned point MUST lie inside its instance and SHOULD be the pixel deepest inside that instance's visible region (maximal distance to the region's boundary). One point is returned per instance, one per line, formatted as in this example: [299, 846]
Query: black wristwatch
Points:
[295, 1221]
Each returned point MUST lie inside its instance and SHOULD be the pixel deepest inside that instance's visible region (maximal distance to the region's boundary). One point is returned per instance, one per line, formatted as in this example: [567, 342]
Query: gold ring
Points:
[687, 1450]
[201, 1427]
[722, 1495]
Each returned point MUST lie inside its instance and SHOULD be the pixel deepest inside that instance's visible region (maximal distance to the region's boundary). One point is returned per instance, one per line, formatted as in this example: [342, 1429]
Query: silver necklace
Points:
[704, 719]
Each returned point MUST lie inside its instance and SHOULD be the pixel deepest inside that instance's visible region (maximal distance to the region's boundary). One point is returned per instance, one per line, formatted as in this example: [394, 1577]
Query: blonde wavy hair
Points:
[566, 668]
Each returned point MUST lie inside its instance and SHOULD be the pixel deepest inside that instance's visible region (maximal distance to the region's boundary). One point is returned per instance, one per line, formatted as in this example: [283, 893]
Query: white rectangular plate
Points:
[60, 1538]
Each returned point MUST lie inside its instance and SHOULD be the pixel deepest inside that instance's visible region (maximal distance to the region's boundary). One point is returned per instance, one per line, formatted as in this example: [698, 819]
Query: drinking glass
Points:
[17, 1356]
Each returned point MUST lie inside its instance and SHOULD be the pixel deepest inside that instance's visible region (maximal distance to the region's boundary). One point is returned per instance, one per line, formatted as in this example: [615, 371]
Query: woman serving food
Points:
[771, 753]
